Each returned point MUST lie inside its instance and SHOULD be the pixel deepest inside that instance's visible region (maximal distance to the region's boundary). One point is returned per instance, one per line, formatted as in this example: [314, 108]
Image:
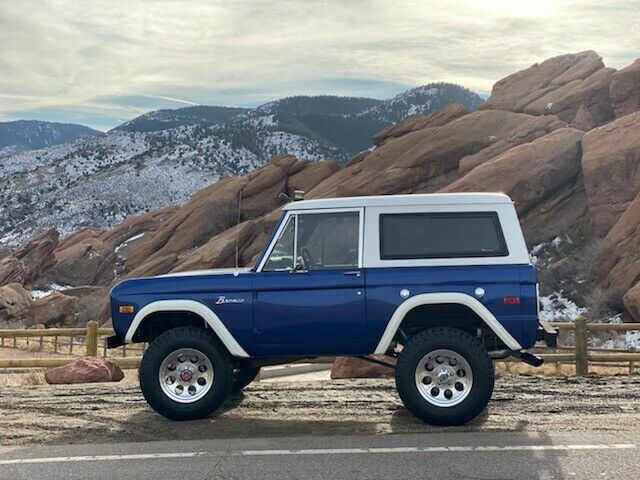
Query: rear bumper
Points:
[547, 334]
[114, 341]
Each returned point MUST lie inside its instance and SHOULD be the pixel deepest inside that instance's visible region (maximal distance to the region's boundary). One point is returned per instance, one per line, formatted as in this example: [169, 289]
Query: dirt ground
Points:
[309, 405]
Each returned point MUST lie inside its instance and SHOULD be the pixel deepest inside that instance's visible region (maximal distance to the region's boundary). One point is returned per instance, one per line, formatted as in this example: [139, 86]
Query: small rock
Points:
[85, 370]
[352, 367]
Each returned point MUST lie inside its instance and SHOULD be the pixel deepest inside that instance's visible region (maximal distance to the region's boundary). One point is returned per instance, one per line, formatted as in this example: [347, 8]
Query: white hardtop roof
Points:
[401, 200]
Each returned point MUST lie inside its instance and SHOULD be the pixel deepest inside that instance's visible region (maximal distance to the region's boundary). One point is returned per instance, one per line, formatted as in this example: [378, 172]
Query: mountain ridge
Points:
[20, 135]
[100, 181]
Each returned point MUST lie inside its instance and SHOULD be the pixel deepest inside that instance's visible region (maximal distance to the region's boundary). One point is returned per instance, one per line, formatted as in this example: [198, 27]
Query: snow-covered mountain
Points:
[171, 118]
[138, 167]
[33, 134]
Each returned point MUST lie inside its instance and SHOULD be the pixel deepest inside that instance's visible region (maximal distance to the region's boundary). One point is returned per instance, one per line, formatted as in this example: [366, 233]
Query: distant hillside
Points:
[136, 168]
[171, 118]
[34, 134]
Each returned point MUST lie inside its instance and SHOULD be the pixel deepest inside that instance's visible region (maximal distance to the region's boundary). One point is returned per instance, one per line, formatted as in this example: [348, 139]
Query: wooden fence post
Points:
[582, 367]
[92, 339]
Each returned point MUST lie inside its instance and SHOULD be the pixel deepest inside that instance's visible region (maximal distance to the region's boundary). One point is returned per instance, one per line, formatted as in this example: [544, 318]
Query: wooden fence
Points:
[581, 356]
[61, 339]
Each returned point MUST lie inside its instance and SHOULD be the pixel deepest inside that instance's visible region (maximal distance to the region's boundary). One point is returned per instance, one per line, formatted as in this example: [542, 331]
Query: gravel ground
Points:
[105, 413]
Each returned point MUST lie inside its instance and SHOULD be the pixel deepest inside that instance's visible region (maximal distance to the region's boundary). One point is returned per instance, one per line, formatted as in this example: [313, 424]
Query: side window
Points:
[327, 240]
[281, 257]
[441, 235]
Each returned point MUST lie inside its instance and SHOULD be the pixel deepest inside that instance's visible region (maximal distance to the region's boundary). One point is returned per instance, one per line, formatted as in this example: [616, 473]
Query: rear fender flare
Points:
[439, 298]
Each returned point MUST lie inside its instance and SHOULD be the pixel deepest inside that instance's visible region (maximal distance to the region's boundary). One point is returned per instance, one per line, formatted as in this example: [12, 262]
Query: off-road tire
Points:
[465, 345]
[170, 341]
[242, 377]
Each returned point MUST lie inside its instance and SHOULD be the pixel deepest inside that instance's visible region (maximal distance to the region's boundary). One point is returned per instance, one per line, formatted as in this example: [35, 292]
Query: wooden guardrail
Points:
[91, 334]
[581, 355]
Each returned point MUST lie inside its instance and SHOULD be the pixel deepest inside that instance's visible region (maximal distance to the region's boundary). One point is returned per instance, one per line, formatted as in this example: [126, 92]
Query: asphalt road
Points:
[458, 455]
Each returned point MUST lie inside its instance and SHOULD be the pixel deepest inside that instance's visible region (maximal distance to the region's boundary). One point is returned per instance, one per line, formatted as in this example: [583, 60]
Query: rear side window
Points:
[441, 235]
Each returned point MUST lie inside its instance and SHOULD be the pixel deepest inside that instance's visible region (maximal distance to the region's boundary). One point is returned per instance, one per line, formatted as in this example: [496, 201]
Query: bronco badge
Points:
[222, 299]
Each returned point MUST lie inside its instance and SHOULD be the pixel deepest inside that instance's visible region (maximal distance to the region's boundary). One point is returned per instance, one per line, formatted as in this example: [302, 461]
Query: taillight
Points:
[511, 300]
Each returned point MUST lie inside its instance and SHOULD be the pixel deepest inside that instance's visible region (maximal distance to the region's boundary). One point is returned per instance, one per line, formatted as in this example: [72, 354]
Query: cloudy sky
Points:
[103, 62]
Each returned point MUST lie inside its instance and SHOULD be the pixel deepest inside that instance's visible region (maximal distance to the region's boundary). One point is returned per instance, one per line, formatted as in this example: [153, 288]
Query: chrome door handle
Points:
[355, 273]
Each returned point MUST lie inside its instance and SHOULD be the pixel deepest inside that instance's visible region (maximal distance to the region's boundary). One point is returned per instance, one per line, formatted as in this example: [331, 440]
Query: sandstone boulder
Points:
[610, 161]
[54, 310]
[96, 257]
[617, 266]
[419, 122]
[220, 250]
[15, 304]
[85, 370]
[82, 235]
[351, 367]
[89, 301]
[426, 160]
[583, 119]
[631, 301]
[530, 129]
[12, 270]
[215, 209]
[29, 260]
[88, 262]
[37, 254]
[625, 90]
[530, 174]
[515, 92]
[591, 93]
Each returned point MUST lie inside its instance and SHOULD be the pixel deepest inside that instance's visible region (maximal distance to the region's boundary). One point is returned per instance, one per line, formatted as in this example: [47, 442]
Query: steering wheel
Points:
[306, 257]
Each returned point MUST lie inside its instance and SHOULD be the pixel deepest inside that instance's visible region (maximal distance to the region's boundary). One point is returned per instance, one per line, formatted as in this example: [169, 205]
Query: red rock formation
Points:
[610, 165]
[54, 310]
[617, 265]
[625, 90]
[419, 122]
[30, 260]
[531, 174]
[15, 304]
[516, 91]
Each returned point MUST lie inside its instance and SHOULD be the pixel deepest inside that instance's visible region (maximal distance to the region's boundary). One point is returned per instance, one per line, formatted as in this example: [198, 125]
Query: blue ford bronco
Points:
[441, 282]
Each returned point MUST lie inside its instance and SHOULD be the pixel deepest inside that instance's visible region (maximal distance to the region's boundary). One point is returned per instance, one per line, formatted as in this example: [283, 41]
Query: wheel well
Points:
[454, 315]
[156, 323]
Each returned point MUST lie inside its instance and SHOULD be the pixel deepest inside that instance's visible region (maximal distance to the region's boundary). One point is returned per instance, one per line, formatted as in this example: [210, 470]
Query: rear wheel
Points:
[444, 376]
[243, 376]
[186, 374]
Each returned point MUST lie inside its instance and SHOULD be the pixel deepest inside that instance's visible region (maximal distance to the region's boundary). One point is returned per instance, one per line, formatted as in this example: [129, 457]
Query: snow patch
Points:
[556, 308]
[128, 241]
[35, 294]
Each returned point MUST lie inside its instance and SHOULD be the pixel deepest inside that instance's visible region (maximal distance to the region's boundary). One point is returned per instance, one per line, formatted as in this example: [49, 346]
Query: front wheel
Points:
[186, 374]
[444, 376]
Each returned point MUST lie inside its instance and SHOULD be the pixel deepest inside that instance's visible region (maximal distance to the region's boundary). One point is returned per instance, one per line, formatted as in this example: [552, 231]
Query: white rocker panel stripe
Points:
[189, 306]
[438, 298]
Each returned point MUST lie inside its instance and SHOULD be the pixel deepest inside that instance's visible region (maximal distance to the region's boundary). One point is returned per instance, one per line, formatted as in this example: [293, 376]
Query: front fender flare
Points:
[188, 306]
[439, 298]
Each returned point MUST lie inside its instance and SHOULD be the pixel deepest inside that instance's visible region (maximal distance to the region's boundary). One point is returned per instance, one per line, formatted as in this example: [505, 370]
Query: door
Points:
[310, 295]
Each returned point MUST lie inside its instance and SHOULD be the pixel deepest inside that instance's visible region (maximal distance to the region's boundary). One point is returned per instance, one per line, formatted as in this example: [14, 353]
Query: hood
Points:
[217, 280]
[212, 271]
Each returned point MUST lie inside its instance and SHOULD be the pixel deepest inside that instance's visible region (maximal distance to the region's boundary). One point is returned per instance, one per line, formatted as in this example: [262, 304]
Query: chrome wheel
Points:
[444, 378]
[186, 375]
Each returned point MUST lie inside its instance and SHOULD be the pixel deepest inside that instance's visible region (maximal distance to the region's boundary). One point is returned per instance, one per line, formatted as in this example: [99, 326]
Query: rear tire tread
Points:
[463, 343]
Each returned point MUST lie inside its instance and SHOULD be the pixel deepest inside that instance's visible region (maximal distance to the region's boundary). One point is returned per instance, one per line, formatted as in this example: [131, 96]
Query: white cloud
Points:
[67, 53]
